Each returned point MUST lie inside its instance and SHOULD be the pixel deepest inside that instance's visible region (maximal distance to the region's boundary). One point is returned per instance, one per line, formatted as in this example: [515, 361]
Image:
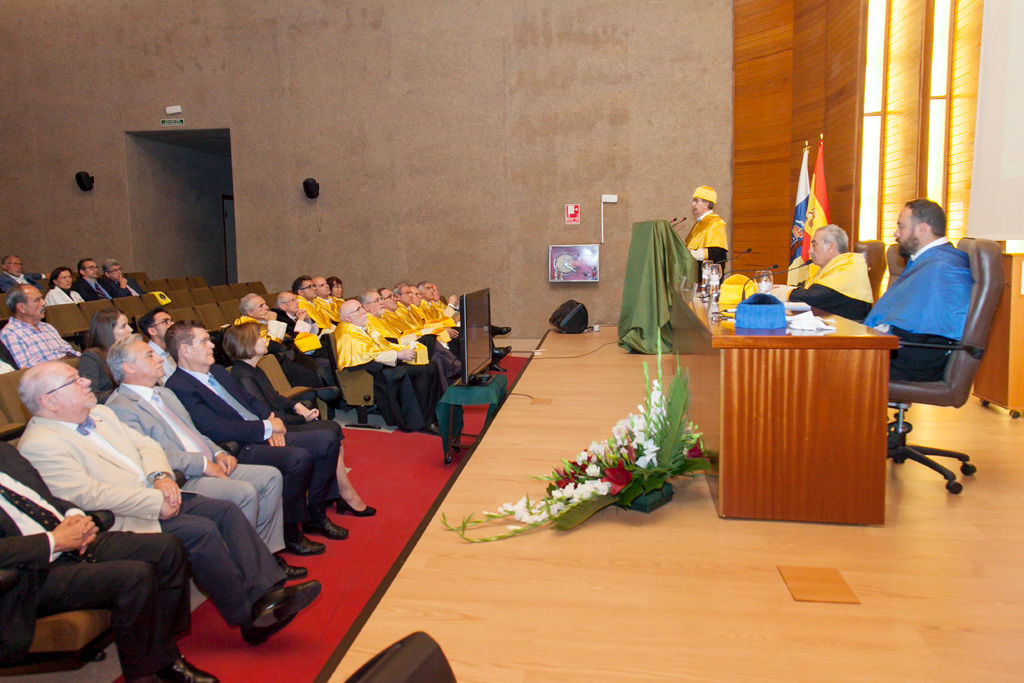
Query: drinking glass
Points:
[763, 281]
[713, 275]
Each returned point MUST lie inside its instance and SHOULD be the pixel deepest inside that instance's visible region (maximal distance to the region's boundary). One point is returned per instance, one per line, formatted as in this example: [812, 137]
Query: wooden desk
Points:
[1000, 378]
[797, 424]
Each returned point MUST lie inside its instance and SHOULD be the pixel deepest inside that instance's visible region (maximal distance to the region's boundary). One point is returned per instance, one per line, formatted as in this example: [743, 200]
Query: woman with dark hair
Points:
[106, 327]
[337, 290]
[60, 291]
[245, 346]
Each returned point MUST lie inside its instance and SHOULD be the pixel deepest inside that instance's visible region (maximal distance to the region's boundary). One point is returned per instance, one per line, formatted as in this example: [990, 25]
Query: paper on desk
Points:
[808, 321]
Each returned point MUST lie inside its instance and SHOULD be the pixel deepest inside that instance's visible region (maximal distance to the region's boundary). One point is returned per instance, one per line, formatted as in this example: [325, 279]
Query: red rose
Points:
[618, 476]
[695, 452]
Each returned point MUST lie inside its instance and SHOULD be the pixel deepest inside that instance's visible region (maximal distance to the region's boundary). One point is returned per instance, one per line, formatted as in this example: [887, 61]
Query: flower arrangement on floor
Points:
[644, 450]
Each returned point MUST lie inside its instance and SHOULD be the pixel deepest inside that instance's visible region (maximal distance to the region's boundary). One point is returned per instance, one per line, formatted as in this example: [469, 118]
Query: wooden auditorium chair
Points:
[874, 255]
[894, 261]
[955, 386]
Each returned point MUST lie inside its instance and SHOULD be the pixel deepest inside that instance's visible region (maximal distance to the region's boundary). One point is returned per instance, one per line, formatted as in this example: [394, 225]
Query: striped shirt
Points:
[32, 345]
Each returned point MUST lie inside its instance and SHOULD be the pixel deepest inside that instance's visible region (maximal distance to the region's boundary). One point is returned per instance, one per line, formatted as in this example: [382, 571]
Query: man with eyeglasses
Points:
[222, 411]
[153, 325]
[304, 288]
[88, 285]
[13, 275]
[300, 369]
[116, 284]
[26, 336]
[406, 387]
[87, 456]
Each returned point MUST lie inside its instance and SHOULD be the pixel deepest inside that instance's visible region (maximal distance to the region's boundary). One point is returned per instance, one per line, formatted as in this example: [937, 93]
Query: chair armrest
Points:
[8, 579]
[104, 519]
[231, 447]
[976, 351]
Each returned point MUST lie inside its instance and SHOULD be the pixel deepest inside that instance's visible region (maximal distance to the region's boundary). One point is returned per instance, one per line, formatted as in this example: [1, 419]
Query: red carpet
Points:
[402, 476]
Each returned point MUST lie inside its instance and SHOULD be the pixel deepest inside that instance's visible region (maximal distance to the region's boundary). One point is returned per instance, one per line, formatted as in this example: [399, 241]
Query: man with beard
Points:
[929, 301]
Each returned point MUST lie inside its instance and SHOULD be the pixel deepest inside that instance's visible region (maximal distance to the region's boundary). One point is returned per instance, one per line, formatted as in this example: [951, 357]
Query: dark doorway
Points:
[177, 181]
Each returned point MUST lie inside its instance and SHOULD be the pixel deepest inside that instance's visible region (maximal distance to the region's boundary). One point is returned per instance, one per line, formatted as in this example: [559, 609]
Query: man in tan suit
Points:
[86, 455]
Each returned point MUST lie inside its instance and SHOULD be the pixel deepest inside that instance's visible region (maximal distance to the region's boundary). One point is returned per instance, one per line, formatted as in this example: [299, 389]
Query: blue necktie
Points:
[84, 428]
[221, 391]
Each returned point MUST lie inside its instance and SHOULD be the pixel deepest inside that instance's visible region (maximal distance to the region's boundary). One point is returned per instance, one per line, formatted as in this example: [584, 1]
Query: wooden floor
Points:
[684, 595]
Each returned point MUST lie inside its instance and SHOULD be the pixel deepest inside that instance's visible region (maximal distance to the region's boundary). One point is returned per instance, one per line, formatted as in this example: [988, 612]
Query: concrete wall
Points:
[446, 135]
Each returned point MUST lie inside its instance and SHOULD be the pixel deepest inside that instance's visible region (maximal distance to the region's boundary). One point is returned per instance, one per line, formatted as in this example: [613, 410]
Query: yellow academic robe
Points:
[329, 309]
[709, 232]
[383, 327]
[396, 322]
[356, 346]
[316, 314]
[847, 274]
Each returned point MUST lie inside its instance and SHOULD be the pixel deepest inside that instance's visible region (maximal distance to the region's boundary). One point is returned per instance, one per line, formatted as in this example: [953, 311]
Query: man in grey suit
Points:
[156, 412]
[87, 456]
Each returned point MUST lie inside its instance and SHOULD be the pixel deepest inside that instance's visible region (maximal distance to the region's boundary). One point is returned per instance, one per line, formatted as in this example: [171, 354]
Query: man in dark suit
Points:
[222, 411]
[116, 284]
[87, 284]
[140, 578]
[88, 456]
[12, 274]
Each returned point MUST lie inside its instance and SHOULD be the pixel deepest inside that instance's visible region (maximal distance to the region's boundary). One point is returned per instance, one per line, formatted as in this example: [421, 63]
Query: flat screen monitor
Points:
[475, 335]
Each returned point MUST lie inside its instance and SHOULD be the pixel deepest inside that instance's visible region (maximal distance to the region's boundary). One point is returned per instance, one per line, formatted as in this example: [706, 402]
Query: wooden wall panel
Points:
[799, 73]
[963, 108]
[901, 164]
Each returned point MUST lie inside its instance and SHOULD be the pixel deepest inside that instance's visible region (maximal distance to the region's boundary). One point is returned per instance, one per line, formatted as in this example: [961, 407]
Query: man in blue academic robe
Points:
[929, 301]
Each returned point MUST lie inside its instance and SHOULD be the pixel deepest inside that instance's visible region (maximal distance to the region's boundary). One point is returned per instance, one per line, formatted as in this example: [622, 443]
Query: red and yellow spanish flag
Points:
[817, 215]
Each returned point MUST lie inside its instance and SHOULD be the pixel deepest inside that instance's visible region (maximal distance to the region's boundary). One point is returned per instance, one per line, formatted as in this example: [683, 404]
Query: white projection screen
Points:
[997, 181]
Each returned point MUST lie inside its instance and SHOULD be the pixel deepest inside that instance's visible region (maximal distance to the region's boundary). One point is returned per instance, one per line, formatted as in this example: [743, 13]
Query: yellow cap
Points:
[706, 193]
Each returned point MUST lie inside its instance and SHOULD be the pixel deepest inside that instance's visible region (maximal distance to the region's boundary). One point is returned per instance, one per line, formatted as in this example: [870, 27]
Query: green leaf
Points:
[581, 512]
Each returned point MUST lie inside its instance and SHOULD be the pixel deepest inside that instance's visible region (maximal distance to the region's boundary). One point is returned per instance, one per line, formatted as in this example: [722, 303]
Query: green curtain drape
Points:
[659, 263]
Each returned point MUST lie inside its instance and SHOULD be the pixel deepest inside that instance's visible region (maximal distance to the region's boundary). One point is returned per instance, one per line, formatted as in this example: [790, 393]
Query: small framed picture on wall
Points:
[574, 262]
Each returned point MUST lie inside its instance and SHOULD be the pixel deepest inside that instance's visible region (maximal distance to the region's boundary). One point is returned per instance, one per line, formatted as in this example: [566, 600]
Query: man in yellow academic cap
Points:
[708, 240]
[840, 283]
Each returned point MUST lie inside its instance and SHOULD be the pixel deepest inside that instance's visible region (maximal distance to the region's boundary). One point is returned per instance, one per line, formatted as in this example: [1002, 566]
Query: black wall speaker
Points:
[570, 317]
[84, 180]
[311, 187]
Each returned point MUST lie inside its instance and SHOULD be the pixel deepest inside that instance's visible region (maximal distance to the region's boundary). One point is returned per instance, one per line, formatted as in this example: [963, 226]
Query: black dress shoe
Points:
[344, 508]
[258, 635]
[304, 546]
[326, 528]
[278, 604]
[185, 673]
[499, 352]
[291, 572]
[498, 330]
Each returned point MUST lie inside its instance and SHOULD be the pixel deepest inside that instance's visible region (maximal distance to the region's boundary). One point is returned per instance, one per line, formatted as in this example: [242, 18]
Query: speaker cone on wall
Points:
[311, 187]
[84, 181]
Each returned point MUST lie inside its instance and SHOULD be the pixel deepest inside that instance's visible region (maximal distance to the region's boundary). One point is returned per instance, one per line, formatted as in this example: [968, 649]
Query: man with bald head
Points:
[12, 273]
[406, 386]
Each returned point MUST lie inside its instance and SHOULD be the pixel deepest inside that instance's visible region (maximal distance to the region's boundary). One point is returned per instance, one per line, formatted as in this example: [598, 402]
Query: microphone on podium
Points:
[676, 221]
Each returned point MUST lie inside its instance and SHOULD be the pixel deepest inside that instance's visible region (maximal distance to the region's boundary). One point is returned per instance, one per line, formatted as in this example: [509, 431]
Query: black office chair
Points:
[955, 386]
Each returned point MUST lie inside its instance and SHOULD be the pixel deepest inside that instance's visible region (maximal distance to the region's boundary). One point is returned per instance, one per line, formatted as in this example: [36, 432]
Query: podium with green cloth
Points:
[659, 263]
[449, 408]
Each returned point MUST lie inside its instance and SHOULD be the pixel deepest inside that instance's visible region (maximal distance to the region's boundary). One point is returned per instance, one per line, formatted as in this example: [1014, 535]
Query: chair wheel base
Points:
[954, 487]
[968, 469]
